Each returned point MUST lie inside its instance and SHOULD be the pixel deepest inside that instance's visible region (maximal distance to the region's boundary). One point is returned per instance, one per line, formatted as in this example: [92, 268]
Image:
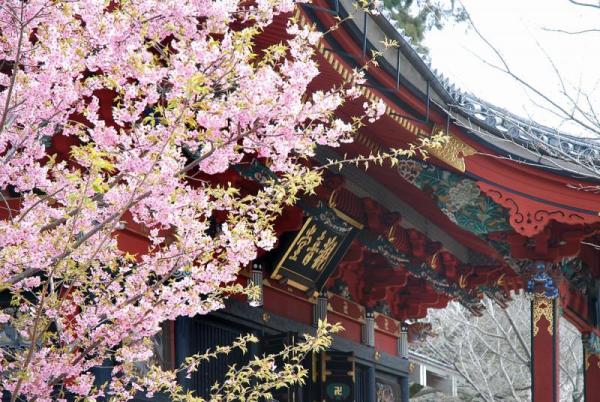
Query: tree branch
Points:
[580, 3]
[572, 32]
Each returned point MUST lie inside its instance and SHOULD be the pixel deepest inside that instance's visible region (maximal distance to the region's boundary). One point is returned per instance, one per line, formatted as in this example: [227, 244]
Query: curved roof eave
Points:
[527, 141]
[511, 136]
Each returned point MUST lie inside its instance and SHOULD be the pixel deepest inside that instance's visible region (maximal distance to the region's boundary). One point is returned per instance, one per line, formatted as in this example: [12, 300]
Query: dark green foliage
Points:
[414, 389]
[417, 17]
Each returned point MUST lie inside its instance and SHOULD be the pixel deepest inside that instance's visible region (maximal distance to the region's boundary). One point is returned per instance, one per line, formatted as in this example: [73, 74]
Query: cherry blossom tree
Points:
[492, 354]
[121, 113]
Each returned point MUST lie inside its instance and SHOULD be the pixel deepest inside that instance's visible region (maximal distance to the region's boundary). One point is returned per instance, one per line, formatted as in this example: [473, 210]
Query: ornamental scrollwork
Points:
[543, 307]
[530, 217]
[588, 358]
[591, 349]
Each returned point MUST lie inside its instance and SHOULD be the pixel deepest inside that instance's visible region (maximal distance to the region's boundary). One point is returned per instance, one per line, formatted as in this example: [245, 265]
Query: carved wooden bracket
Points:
[529, 217]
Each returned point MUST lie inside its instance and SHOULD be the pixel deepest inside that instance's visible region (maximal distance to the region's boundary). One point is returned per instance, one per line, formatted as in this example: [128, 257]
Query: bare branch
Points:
[505, 68]
[572, 32]
[583, 4]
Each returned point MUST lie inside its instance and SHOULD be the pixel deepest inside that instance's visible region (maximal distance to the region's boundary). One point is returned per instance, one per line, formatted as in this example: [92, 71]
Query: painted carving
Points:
[419, 332]
[457, 197]
[383, 307]
[410, 169]
[542, 307]
[588, 357]
[464, 193]
[577, 273]
[529, 217]
[591, 343]
[341, 289]
[591, 349]
[542, 280]
[385, 393]
[438, 282]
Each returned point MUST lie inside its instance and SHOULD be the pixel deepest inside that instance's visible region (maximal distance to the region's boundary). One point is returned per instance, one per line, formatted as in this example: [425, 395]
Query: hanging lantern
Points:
[369, 329]
[256, 279]
[320, 308]
[403, 341]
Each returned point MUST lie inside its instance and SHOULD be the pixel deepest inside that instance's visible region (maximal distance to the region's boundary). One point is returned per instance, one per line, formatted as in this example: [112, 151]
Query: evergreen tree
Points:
[417, 17]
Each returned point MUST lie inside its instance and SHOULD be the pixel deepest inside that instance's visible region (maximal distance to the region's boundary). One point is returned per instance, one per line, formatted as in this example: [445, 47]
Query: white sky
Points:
[516, 28]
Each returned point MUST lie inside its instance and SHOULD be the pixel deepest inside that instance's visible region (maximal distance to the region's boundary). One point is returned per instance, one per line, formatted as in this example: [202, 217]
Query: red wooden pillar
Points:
[544, 350]
[591, 365]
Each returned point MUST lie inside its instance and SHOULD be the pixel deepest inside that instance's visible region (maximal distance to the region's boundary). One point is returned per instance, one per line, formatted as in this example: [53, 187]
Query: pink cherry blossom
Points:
[115, 119]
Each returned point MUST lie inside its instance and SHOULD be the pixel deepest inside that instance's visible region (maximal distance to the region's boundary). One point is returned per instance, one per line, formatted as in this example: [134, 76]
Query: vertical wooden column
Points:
[545, 377]
[368, 338]
[371, 393]
[320, 309]
[403, 352]
[102, 375]
[591, 365]
[183, 331]
[404, 389]
[368, 330]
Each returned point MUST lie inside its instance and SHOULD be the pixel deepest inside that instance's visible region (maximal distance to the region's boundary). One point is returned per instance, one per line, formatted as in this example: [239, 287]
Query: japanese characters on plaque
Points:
[317, 248]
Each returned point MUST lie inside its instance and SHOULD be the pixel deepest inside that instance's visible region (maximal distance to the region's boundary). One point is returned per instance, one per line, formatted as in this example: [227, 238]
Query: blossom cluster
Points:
[115, 118]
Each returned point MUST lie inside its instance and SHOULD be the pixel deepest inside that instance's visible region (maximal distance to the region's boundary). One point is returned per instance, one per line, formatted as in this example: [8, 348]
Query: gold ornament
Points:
[453, 152]
[542, 307]
[588, 358]
[266, 317]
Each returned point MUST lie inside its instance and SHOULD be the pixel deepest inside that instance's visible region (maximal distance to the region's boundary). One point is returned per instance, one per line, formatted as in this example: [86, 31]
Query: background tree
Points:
[561, 101]
[416, 18]
[492, 355]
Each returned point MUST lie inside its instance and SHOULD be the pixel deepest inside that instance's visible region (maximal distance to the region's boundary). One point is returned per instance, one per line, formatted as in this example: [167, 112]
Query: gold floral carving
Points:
[542, 307]
[266, 317]
[588, 357]
[435, 261]
[453, 152]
